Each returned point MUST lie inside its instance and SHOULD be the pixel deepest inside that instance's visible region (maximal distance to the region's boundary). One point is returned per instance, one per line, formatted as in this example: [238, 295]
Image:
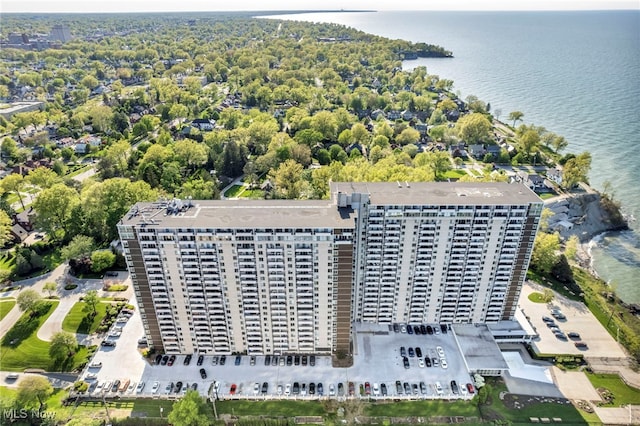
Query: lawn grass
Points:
[454, 173]
[78, 321]
[7, 261]
[254, 194]
[272, 408]
[5, 307]
[27, 351]
[567, 412]
[234, 191]
[536, 297]
[546, 195]
[623, 394]
[52, 260]
[433, 408]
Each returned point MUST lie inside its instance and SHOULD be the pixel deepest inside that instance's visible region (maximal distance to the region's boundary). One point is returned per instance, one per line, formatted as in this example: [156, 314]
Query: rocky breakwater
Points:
[584, 213]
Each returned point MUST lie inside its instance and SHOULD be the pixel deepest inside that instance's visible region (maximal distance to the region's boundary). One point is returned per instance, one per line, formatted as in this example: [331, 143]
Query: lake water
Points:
[575, 73]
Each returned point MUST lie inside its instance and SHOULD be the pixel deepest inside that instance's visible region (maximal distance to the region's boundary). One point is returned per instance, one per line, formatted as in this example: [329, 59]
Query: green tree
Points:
[474, 128]
[33, 389]
[63, 345]
[545, 252]
[529, 142]
[559, 143]
[101, 260]
[325, 123]
[286, 179]
[28, 301]
[190, 410]
[571, 247]
[81, 246]
[54, 206]
[198, 189]
[13, 183]
[91, 301]
[50, 287]
[5, 228]
[42, 177]
[408, 136]
[190, 153]
[515, 116]
[575, 170]
[101, 118]
[439, 162]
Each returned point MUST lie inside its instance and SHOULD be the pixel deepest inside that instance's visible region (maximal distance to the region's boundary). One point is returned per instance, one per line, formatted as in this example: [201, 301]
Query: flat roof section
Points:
[480, 350]
[440, 193]
[243, 214]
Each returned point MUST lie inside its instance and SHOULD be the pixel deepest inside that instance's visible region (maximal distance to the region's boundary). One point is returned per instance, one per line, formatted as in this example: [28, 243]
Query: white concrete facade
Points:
[264, 277]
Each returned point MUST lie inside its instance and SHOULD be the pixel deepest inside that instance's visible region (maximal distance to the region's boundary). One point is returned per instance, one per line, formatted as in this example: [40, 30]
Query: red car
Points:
[232, 391]
[352, 389]
[470, 388]
[172, 358]
[367, 388]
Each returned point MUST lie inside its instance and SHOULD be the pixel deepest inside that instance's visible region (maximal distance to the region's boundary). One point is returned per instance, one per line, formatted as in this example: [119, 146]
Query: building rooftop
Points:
[480, 350]
[241, 214]
[440, 193]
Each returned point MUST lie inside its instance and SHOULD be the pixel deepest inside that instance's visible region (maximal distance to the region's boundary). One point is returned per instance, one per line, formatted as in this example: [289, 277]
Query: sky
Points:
[110, 6]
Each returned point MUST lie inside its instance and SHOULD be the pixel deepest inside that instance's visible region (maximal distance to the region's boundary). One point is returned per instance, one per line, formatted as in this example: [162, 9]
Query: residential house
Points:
[458, 150]
[555, 175]
[477, 151]
[203, 124]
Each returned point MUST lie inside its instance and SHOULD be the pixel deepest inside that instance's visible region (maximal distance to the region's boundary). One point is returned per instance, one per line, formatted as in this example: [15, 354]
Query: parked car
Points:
[427, 361]
[95, 364]
[312, 360]
[178, 387]
[200, 360]
[164, 360]
[403, 351]
[223, 359]
[419, 352]
[187, 360]
[304, 360]
[289, 360]
[265, 388]
[287, 389]
[256, 388]
[340, 389]
[312, 388]
[440, 351]
[155, 387]
[214, 360]
[423, 387]
[352, 389]
[547, 319]
[109, 343]
[232, 389]
[396, 328]
[172, 359]
[581, 345]
[573, 335]
[398, 387]
[383, 389]
[296, 388]
[238, 360]
[158, 359]
[267, 360]
[203, 373]
[367, 388]
[443, 363]
[332, 389]
[439, 390]
[407, 388]
[252, 360]
[319, 389]
[405, 362]
[411, 352]
[470, 388]
[454, 387]
[140, 387]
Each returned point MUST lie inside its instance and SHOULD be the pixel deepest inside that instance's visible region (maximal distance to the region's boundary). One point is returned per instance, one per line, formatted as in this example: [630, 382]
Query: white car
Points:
[439, 388]
[332, 390]
[287, 389]
[443, 363]
[132, 386]
[279, 391]
[115, 334]
[91, 376]
[376, 389]
[140, 387]
[99, 387]
[420, 362]
[256, 388]
[440, 351]
[95, 364]
[155, 387]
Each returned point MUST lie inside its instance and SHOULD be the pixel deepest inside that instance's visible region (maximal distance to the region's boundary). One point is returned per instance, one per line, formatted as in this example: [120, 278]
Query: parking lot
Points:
[377, 361]
[578, 319]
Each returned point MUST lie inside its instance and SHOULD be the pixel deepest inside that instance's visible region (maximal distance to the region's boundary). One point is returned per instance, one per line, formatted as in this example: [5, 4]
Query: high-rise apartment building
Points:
[283, 276]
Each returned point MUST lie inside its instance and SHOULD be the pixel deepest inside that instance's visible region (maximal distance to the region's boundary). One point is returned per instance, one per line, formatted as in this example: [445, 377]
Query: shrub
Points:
[70, 286]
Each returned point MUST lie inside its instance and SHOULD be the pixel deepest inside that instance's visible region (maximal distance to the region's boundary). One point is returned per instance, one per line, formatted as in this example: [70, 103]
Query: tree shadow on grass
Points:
[25, 326]
[85, 325]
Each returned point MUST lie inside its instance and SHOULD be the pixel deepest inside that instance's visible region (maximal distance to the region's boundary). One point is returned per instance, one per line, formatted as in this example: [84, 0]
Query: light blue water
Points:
[575, 73]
